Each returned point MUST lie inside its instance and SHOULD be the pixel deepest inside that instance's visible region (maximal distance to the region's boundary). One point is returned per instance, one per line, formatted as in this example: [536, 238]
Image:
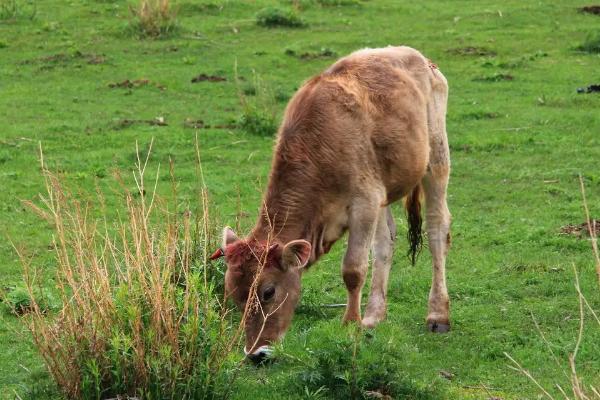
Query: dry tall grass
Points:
[154, 18]
[140, 315]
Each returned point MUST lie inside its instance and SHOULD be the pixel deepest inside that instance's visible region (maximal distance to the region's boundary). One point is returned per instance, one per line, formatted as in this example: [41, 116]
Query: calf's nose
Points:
[259, 355]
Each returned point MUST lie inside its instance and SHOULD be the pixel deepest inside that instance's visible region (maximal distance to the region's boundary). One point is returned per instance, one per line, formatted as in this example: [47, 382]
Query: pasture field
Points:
[520, 136]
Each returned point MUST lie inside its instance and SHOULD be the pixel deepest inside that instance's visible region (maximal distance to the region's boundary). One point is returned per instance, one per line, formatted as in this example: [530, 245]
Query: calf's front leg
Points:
[362, 222]
[382, 251]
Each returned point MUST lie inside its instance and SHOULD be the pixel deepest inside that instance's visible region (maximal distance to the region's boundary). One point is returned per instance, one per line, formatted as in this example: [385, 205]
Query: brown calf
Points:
[368, 131]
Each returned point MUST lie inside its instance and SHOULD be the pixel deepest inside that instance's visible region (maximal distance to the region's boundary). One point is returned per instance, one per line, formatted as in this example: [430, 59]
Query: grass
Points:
[153, 18]
[18, 300]
[258, 113]
[572, 386]
[514, 184]
[591, 43]
[12, 10]
[274, 17]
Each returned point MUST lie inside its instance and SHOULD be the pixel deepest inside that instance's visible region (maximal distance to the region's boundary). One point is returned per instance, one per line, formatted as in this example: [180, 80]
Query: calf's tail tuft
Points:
[412, 204]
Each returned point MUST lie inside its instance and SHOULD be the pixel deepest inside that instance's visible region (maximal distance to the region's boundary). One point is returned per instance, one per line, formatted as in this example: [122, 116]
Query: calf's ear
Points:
[295, 254]
[228, 236]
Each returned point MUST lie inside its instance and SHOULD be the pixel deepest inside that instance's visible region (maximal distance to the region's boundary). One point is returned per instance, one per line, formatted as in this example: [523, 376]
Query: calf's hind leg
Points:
[438, 231]
[435, 184]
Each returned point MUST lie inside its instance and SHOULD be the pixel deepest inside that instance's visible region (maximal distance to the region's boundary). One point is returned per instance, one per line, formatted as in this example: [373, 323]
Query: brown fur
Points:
[354, 134]
[367, 112]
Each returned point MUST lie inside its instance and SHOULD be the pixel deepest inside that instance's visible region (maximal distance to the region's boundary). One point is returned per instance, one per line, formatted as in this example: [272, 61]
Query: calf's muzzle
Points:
[259, 355]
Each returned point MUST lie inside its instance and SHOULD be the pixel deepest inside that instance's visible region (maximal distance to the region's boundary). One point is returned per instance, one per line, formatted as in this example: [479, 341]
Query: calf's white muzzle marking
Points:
[264, 350]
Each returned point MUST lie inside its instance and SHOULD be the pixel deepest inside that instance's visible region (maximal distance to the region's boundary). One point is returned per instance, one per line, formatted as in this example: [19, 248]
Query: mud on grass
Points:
[582, 230]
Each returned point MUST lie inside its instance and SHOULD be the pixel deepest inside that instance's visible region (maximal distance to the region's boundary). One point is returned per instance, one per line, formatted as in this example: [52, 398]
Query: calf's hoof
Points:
[350, 318]
[369, 322]
[438, 327]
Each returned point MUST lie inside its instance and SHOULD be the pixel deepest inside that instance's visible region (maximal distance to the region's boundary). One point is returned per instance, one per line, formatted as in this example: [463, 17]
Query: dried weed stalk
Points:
[140, 315]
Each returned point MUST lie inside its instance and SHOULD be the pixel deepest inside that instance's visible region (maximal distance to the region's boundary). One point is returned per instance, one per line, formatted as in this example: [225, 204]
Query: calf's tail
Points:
[412, 204]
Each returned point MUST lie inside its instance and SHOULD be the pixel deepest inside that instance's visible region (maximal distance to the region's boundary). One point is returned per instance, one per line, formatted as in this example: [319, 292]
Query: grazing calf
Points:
[368, 131]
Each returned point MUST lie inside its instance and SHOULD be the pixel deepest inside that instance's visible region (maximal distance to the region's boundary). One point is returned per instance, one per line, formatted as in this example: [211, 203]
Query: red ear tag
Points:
[217, 254]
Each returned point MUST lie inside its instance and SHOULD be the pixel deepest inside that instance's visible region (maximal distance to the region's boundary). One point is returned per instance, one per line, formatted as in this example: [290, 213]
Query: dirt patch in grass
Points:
[210, 78]
[590, 89]
[64, 59]
[324, 52]
[194, 123]
[125, 123]
[478, 115]
[200, 124]
[582, 230]
[472, 51]
[134, 84]
[594, 9]
[96, 59]
[498, 77]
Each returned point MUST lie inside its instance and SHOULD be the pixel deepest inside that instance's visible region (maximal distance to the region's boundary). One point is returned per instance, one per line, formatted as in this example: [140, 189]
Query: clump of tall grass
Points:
[591, 44]
[257, 121]
[350, 363]
[139, 315]
[16, 9]
[258, 114]
[274, 17]
[18, 300]
[153, 18]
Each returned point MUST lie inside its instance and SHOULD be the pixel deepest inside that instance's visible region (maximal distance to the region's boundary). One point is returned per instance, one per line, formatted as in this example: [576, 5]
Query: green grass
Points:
[518, 146]
[591, 43]
[274, 17]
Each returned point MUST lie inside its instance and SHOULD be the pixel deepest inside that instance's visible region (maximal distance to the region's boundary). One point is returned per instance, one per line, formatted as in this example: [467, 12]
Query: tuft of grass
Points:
[153, 19]
[18, 300]
[472, 51]
[259, 114]
[347, 366]
[141, 314]
[497, 77]
[249, 90]
[514, 63]
[323, 52]
[11, 10]
[591, 43]
[281, 96]
[276, 17]
[257, 121]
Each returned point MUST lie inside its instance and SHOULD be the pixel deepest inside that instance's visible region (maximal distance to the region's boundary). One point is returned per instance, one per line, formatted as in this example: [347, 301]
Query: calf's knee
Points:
[353, 278]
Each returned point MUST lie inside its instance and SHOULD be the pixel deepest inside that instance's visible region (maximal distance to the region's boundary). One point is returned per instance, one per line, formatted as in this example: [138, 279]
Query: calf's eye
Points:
[268, 293]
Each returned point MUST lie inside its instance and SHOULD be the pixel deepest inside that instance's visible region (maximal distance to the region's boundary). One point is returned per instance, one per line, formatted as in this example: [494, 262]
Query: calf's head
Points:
[263, 280]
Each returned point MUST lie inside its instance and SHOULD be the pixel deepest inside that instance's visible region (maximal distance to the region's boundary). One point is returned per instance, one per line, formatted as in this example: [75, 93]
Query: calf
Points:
[368, 131]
